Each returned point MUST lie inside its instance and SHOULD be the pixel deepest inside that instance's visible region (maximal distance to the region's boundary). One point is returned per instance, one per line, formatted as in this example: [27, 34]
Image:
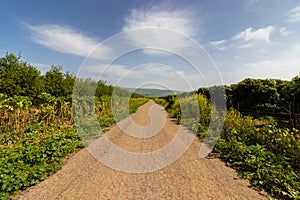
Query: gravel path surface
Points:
[189, 177]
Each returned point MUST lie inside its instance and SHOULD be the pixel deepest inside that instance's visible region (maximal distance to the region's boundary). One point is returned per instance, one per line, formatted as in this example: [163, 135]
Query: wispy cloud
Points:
[249, 34]
[284, 31]
[293, 15]
[162, 16]
[67, 40]
[247, 38]
[217, 42]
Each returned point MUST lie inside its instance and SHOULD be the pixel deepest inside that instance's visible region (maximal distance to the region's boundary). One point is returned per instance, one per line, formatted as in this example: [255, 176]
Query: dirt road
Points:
[189, 177]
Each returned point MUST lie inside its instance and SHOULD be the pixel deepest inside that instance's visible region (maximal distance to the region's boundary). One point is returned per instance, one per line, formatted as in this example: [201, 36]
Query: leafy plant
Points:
[29, 158]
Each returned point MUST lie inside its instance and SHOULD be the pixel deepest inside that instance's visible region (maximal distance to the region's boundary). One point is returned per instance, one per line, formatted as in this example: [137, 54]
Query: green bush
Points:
[29, 158]
[194, 112]
[268, 156]
[264, 168]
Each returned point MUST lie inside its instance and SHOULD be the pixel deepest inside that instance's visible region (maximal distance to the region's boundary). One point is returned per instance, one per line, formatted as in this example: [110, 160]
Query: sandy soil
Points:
[189, 177]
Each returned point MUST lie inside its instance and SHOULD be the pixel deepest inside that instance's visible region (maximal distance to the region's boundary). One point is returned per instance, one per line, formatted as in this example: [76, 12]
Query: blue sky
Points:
[243, 38]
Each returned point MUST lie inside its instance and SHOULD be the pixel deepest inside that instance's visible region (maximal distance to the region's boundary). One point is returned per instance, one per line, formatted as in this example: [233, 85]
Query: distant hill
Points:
[153, 92]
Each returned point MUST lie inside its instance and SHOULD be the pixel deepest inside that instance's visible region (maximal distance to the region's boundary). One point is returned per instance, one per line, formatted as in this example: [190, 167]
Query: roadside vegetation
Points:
[37, 123]
[260, 137]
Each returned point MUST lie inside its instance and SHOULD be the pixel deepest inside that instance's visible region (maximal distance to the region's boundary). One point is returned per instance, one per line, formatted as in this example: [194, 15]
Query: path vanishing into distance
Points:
[138, 164]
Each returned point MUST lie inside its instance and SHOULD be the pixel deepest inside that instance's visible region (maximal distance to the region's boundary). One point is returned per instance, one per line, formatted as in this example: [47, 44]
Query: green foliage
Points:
[260, 97]
[103, 89]
[264, 168]
[192, 111]
[37, 128]
[267, 155]
[36, 118]
[37, 138]
[251, 94]
[18, 77]
[57, 83]
[122, 107]
[17, 112]
[135, 103]
[161, 101]
[29, 158]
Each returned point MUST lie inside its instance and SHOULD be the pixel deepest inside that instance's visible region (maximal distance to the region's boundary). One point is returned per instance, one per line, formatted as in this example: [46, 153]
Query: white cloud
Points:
[217, 43]
[284, 31]
[248, 38]
[67, 40]
[249, 34]
[179, 20]
[245, 46]
[293, 15]
[163, 18]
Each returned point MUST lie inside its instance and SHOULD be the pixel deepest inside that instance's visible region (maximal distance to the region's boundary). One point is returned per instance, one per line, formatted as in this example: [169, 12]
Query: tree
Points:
[18, 77]
[103, 89]
[291, 99]
[255, 94]
[68, 83]
[57, 83]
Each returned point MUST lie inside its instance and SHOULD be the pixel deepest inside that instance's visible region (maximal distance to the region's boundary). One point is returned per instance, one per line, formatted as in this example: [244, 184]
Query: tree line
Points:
[19, 78]
[273, 97]
[260, 97]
